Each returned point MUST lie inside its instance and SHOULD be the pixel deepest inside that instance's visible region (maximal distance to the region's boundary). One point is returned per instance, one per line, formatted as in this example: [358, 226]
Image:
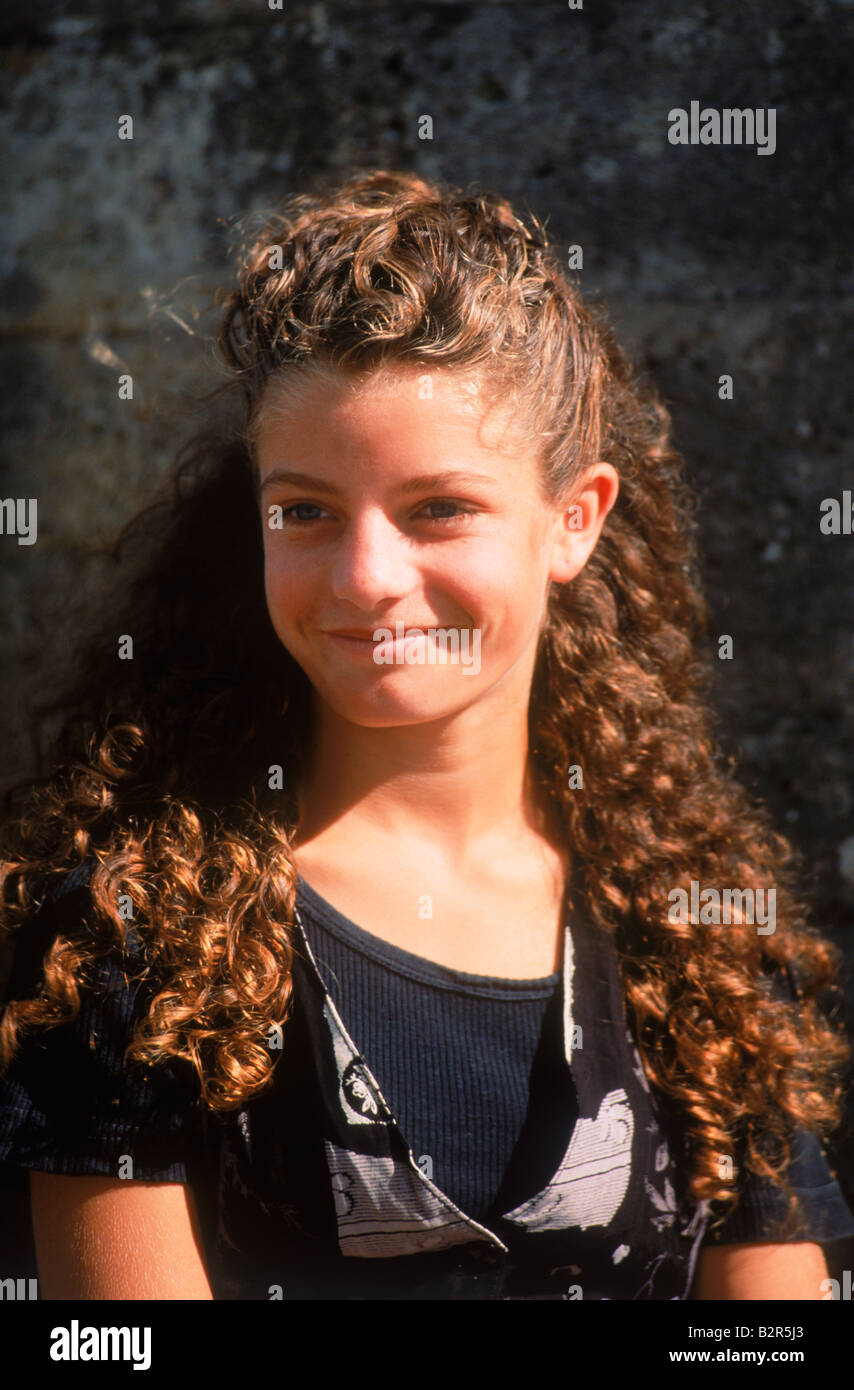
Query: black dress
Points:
[560, 1177]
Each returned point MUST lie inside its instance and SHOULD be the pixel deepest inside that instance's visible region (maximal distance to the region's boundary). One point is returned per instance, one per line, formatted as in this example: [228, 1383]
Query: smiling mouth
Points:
[357, 635]
[368, 646]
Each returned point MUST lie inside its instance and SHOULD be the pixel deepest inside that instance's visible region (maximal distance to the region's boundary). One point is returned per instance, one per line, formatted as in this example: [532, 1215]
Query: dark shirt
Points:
[471, 1065]
[485, 1139]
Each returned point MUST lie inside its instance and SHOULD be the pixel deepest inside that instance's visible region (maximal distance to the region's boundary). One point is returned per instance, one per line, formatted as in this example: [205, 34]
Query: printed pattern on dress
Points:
[593, 1178]
[385, 1208]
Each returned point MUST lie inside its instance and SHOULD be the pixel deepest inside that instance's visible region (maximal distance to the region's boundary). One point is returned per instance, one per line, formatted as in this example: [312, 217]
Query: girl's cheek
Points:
[278, 577]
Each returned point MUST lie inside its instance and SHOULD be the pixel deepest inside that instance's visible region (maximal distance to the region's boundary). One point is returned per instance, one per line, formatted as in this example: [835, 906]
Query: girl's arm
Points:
[102, 1237]
[761, 1270]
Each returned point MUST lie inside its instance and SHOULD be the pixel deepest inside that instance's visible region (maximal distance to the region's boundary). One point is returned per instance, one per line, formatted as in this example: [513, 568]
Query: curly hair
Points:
[160, 774]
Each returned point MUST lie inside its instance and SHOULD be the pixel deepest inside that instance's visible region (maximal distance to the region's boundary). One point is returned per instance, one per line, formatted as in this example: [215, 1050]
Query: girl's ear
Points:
[578, 524]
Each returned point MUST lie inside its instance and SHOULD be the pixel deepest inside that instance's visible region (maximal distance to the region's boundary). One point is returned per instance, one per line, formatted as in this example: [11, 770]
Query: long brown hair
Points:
[175, 773]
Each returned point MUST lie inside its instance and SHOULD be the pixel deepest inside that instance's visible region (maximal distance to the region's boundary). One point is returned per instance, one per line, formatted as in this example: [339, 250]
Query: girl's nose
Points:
[371, 561]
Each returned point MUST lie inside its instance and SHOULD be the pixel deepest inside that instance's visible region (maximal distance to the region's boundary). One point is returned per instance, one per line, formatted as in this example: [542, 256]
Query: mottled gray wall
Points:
[712, 259]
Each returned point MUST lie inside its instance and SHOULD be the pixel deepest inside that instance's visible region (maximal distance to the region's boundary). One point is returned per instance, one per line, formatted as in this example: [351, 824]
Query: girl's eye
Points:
[302, 520]
[459, 509]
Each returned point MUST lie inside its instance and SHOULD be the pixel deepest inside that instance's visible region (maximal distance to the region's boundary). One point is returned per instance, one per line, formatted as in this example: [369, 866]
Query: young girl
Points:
[355, 929]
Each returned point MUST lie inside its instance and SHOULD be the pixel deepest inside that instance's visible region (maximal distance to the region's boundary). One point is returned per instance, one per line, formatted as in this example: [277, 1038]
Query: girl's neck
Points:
[457, 828]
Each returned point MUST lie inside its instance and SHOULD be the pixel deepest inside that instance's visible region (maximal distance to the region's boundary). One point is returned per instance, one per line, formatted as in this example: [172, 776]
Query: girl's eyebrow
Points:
[424, 482]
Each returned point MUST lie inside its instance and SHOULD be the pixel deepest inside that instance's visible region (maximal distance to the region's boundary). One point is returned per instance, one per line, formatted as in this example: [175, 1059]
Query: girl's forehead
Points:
[466, 397]
[293, 388]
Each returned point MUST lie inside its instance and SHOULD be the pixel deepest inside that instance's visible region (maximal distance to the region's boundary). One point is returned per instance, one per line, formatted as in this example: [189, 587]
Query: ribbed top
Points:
[471, 1065]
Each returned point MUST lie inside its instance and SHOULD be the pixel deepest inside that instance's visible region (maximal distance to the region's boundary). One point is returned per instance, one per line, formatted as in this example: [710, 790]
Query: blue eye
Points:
[459, 509]
[302, 520]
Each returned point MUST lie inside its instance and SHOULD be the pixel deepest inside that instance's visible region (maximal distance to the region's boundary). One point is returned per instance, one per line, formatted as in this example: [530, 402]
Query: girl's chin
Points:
[384, 708]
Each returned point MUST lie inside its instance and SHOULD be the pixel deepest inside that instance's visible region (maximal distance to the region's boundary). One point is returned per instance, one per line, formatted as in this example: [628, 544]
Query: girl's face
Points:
[395, 499]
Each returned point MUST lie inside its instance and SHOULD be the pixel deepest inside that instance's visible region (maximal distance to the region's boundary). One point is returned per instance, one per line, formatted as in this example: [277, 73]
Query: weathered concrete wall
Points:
[712, 259]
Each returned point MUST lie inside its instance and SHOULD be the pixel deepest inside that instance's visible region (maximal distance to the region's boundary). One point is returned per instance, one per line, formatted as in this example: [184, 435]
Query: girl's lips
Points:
[367, 634]
[367, 644]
